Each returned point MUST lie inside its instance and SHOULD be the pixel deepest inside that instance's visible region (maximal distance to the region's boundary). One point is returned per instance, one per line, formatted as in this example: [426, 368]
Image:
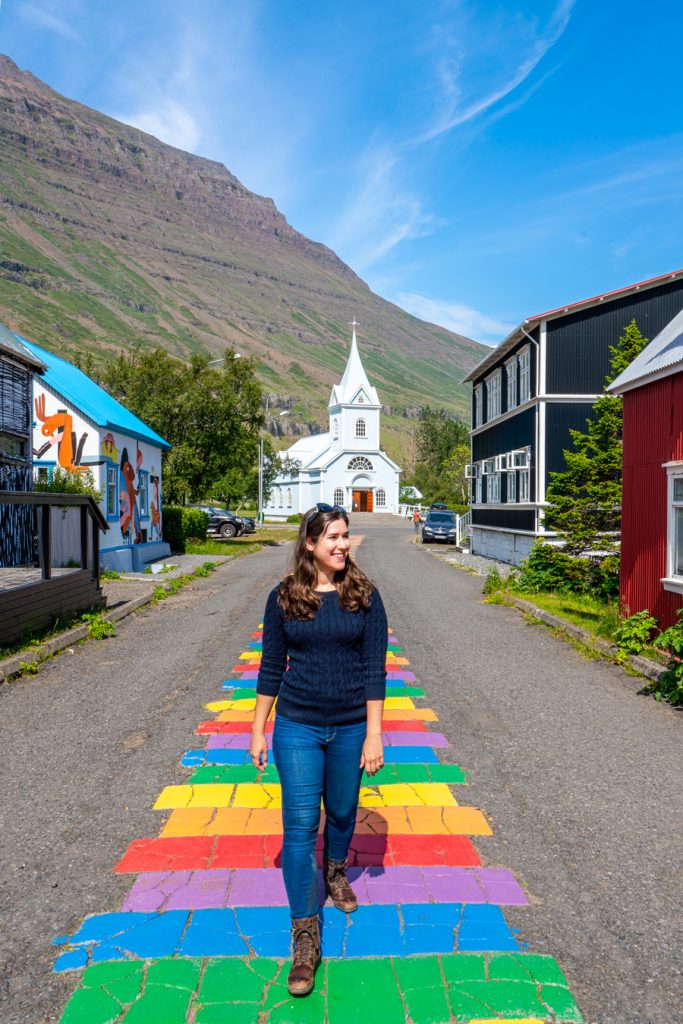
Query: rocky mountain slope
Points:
[110, 238]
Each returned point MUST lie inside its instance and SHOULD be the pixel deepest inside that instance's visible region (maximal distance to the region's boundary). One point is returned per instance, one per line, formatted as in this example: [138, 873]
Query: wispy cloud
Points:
[456, 316]
[169, 121]
[380, 215]
[529, 43]
[45, 18]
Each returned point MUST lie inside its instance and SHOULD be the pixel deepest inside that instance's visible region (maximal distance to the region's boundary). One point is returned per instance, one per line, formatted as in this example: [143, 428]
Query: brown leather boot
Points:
[337, 886]
[306, 956]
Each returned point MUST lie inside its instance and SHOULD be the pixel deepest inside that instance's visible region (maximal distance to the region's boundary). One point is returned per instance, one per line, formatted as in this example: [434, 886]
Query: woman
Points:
[328, 619]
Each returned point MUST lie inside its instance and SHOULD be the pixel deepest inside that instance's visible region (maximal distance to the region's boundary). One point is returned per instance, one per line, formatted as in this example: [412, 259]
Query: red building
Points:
[652, 500]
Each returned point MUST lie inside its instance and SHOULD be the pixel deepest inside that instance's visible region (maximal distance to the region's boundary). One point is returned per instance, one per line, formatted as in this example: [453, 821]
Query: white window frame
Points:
[111, 484]
[524, 360]
[471, 471]
[478, 405]
[335, 429]
[521, 458]
[524, 483]
[339, 496]
[493, 404]
[674, 574]
[289, 497]
[381, 497]
[511, 494]
[493, 489]
[280, 498]
[361, 428]
[501, 463]
[479, 485]
[488, 467]
[511, 375]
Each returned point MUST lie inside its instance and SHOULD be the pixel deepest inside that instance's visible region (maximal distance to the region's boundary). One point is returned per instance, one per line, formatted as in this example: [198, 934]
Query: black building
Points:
[17, 366]
[539, 383]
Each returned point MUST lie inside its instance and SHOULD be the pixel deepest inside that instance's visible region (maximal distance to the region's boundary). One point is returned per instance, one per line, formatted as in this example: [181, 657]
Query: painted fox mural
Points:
[59, 427]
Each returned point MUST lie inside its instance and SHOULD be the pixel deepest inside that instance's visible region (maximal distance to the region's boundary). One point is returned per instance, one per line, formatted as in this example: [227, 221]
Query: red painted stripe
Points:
[201, 852]
[214, 728]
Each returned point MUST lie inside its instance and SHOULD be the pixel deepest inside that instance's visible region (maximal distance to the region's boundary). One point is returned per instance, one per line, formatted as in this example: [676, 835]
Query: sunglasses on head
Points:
[322, 506]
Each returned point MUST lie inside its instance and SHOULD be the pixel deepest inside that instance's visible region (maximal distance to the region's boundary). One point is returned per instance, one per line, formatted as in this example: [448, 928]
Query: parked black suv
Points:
[440, 526]
[223, 522]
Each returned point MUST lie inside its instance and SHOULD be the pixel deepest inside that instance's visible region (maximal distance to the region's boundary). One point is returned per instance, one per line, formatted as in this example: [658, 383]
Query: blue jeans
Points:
[315, 762]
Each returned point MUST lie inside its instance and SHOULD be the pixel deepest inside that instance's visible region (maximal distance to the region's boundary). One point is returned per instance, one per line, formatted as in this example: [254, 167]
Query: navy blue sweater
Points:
[336, 661]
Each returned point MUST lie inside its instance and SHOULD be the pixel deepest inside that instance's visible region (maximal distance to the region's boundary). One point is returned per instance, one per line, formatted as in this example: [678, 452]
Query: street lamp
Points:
[259, 517]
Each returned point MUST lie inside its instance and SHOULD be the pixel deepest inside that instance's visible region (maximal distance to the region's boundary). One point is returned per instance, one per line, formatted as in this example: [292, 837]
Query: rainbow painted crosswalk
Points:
[203, 935]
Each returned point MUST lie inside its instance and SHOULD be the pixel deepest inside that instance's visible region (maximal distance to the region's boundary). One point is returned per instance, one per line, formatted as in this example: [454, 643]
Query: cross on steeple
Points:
[354, 323]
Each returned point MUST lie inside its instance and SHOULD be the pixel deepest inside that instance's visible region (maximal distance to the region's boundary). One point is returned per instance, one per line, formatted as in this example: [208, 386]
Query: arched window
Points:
[360, 462]
[360, 428]
[280, 499]
[339, 496]
[289, 497]
[335, 429]
[380, 497]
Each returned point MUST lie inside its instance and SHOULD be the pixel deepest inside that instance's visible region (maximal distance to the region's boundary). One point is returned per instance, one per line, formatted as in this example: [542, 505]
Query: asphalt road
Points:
[579, 776]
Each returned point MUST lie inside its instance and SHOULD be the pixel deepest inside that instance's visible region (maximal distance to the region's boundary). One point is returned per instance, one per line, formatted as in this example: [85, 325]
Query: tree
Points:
[442, 451]
[585, 500]
[211, 417]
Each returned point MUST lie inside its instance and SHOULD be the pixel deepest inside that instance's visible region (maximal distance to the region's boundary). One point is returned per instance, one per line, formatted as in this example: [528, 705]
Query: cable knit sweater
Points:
[336, 661]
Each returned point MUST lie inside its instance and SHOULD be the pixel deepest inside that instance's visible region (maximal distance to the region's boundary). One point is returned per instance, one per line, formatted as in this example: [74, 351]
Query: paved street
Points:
[578, 776]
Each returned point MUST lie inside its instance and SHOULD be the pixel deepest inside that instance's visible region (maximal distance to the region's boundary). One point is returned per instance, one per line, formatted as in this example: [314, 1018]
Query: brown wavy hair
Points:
[297, 596]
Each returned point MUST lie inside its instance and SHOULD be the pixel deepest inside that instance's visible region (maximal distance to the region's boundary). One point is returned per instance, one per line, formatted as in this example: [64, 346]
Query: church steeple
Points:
[354, 380]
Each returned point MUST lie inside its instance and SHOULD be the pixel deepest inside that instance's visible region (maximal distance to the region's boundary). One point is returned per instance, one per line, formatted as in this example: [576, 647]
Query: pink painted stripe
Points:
[241, 741]
[264, 887]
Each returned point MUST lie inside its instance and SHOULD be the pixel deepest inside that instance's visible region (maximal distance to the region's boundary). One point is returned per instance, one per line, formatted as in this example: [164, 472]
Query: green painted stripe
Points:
[451, 774]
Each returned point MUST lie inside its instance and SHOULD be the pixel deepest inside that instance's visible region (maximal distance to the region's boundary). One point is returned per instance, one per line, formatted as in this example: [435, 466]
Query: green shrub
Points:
[296, 518]
[549, 568]
[172, 519]
[670, 684]
[494, 582]
[195, 523]
[633, 634]
[65, 482]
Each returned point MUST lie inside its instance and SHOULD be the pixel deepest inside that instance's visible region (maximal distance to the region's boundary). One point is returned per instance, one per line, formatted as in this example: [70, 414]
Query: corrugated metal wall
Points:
[16, 521]
[560, 418]
[578, 357]
[653, 434]
[517, 432]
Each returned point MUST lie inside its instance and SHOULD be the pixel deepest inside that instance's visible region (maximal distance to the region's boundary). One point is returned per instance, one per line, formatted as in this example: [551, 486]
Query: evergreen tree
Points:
[584, 501]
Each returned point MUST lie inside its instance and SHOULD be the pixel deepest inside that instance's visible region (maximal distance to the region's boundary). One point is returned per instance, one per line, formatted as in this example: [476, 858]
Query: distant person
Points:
[324, 654]
[417, 519]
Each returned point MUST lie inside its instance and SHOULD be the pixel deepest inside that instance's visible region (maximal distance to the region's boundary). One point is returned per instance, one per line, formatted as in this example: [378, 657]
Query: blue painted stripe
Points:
[392, 755]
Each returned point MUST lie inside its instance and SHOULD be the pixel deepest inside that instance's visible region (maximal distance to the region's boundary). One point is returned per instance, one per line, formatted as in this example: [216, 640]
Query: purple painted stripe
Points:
[241, 741]
[264, 887]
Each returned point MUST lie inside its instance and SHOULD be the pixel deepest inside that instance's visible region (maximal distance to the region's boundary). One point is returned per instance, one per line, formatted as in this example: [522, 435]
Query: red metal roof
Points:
[649, 283]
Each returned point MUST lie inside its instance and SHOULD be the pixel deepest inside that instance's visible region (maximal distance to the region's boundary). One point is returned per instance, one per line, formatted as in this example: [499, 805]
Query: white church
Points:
[346, 465]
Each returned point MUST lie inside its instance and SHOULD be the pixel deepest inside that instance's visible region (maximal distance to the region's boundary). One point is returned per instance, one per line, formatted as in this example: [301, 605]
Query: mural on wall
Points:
[129, 521]
[155, 506]
[109, 449]
[59, 428]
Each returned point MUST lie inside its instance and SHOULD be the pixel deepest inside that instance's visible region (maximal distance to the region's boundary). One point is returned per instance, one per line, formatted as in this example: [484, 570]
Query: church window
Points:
[335, 430]
[360, 462]
[280, 500]
[361, 400]
[381, 497]
[338, 496]
[289, 497]
[360, 428]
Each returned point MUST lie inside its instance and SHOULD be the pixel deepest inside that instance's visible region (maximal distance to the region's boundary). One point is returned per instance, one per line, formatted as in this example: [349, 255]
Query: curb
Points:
[650, 669]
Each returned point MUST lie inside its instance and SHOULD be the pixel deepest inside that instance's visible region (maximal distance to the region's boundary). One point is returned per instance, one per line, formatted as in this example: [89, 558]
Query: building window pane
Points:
[360, 428]
[524, 485]
[360, 462]
[111, 492]
[381, 497]
[289, 497]
[144, 492]
[478, 405]
[511, 370]
[280, 497]
[678, 554]
[339, 496]
[524, 376]
[493, 487]
[493, 396]
[512, 487]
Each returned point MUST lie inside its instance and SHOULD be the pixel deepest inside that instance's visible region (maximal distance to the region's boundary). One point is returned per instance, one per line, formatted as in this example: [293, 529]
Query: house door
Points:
[362, 501]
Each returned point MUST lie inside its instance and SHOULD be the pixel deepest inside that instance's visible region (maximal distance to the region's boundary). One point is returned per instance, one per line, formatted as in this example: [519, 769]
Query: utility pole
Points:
[260, 481]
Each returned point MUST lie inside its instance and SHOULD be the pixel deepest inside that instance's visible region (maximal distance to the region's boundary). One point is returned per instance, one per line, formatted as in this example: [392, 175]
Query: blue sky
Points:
[475, 163]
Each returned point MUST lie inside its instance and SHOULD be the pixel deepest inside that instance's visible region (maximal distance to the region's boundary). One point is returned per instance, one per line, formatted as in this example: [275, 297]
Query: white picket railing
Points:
[464, 526]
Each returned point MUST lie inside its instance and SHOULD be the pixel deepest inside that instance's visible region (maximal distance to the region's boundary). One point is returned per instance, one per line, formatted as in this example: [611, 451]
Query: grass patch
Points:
[597, 617]
[245, 545]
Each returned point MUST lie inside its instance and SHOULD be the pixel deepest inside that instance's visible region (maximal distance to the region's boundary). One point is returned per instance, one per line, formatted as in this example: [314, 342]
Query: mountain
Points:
[110, 238]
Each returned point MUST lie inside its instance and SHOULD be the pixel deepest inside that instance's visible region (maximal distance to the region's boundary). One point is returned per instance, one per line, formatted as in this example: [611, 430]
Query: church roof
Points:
[354, 380]
[308, 449]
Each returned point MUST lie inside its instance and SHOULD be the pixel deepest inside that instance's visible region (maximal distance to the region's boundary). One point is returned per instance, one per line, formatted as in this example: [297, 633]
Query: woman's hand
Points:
[258, 749]
[372, 757]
